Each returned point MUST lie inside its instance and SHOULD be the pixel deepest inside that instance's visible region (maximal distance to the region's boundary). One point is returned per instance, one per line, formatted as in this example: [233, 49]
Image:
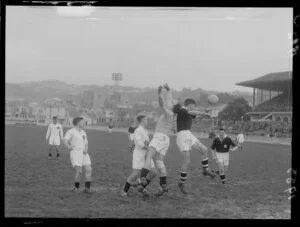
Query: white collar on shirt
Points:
[223, 138]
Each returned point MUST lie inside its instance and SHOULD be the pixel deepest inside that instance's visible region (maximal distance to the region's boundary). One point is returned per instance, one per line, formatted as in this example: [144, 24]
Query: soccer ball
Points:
[212, 99]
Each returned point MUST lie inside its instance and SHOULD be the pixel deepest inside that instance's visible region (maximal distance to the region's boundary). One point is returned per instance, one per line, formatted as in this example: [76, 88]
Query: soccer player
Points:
[220, 151]
[141, 141]
[240, 140]
[76, 141]
[186, 141]
[131, 130]
[54, 135]
[110, 127]
[159, 145]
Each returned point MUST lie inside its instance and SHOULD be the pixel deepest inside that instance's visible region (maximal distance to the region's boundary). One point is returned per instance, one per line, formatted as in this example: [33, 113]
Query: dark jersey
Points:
[110, 126]
[131, 129]
[222, 146]
[184, 120]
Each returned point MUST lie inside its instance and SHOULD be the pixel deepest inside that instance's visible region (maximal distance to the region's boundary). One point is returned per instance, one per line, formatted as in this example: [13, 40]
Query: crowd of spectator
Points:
[267, 128]
[279, 103]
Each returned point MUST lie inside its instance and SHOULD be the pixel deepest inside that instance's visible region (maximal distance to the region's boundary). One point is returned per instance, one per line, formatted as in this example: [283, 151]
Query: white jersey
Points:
[140, 136]
[54, 131]
[240, 138]
[165, 121]
[76, 138]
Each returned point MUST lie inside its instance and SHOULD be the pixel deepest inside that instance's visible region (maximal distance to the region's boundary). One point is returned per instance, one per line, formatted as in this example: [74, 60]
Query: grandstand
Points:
[278, 108]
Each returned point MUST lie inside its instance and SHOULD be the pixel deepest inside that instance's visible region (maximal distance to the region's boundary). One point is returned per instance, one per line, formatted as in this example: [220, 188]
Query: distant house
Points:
[90, 119]
[22, 111]
[71, 115]
[38, 111]
[55, 107]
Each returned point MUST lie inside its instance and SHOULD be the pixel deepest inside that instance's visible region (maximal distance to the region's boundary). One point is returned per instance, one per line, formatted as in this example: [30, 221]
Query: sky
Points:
[208, 48]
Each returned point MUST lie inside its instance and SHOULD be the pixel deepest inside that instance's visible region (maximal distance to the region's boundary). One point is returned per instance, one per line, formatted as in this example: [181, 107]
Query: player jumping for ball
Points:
[159, 145]
[54, 135]
[186, 141]
[220, 151]
[76, 141]
[141, 141]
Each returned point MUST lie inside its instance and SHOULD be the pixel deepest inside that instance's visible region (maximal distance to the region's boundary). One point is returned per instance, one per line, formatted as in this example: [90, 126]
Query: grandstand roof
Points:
[279, 81]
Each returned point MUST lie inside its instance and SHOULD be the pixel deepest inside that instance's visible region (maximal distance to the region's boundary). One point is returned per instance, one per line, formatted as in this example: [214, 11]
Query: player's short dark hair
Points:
[222, 129]
[189, 101]
[140, 118]
[176, 108]
[54, 117]
[76, 120]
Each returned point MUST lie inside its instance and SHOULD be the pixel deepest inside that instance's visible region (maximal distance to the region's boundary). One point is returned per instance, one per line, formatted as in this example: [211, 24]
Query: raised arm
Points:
[165, 104]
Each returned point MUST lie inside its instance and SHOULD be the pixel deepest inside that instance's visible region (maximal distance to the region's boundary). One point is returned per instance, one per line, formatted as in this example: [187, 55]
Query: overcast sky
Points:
[210, 48]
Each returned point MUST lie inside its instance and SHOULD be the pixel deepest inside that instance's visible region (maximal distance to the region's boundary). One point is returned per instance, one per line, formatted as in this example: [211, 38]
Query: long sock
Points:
[87, 184]
[148, 182]
[76, 184]
[183, 177]
[205, 164]
[144, 172]
[126, 187]
[223, 178]
[163, 181]
[58, 154]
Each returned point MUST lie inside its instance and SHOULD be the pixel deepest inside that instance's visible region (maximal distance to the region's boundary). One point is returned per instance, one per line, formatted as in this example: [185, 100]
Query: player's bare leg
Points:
[202, 149]
[160, 166]
[78, 171]
[222, 171]
[57, 151]
[50, 152]
[131, 180]
[150, 176]
[184, 171]
[146, 169]
[88, 178]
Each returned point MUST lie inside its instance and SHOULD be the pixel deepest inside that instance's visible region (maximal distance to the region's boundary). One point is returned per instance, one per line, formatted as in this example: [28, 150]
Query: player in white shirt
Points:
[53, 136]
[240, 139]
[76, 141]
[131, 136]
[159, 145]
[141, 141]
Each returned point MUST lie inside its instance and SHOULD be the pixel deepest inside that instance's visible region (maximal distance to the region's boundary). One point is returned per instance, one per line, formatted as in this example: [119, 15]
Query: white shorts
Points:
[160, 142]
[223, 158]
[110, 130]
[185, 140]
[54, 141]
[79, 159]
[139, 158]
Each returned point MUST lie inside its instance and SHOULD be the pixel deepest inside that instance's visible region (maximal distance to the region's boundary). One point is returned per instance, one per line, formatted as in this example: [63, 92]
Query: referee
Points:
[220, 151]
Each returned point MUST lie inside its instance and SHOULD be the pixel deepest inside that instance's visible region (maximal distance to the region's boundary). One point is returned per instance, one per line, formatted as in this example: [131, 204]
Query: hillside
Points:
[40, 91]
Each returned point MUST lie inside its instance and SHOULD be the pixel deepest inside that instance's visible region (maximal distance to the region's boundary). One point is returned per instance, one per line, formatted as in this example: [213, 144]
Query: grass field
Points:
[38, 187]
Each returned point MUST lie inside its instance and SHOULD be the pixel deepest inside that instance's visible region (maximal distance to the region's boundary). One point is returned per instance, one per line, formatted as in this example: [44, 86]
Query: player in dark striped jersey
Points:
[186, 141]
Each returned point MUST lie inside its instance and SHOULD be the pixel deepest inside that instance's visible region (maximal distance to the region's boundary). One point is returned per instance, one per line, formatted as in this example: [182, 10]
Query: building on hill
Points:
[55, 107]
[90, 119]
[88, 99]
[278, 108]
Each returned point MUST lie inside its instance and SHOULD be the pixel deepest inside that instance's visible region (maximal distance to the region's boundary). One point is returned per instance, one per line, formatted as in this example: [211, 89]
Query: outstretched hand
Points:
[166, 86]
